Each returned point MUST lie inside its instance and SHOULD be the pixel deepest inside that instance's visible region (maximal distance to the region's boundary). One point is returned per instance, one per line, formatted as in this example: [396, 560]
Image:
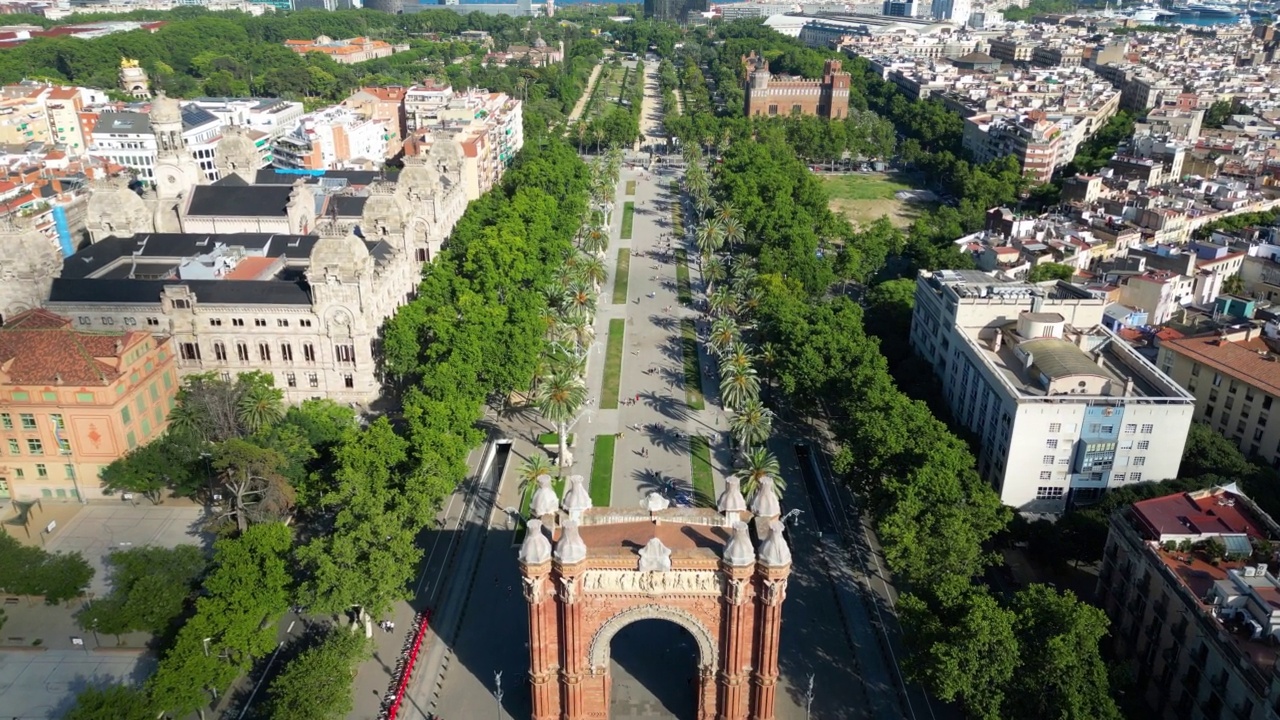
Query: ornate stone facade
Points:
[238, 154]
[693, 571]
[28, 265]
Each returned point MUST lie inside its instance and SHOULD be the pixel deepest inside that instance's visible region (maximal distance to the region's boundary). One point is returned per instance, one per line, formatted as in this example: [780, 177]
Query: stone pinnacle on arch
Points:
[544, 501]
[536, 548]
[576, 498]
[765, 502]
[774, 551]
[740, 552]
[571, 549]
[731, 500]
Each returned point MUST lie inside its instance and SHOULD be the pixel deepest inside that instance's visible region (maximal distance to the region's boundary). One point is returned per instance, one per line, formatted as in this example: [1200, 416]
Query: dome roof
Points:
[345, 252]
[165, 110]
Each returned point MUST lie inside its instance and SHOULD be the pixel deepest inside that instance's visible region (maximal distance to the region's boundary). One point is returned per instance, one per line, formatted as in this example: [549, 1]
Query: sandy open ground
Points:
[865, 197]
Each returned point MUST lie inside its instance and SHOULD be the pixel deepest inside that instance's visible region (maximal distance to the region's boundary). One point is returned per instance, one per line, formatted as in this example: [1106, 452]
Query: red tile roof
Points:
[1216, 512]
[38, 347]
[1246, 359]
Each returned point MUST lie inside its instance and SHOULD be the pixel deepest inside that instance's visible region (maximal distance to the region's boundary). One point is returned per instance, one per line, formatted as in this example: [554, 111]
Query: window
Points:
[1144, 444]
[237, 322]
[84, 320]
[154, 392]
[58, 422]
[1213, 396]
[1217, 380]
[1191, 384]
[1195, 369]
[344, 353]
[313, 380]
[1095, 477]
[1232, 387]
[1051, 443]
[1130, 428]
[259, 322]
[1048, 459]
[1055, 427]
[282, 323]
[1049, 493]
[264, 352]
[189, 351]
[1117, 477]
[219, 352]
[348, 380]
[308, 352]
[125, 415]
[1266, 403]
[130, 321]
[242, 352]
[1230, 403]
[1140, 460]
[1135, 477]
[1108, 429]
[1248, 394]
[1148, 429]
[14, 447]
[108, 320]
[42, 470]
[291, 380]
[1126, 444]
[6, 421]
[1045, 474]
[1064, 460]
[420, 255]
[69, 471]
[153, 322]
[216, 322]
[28, 421]
[181, 304]
[286, 352]
[304, 323]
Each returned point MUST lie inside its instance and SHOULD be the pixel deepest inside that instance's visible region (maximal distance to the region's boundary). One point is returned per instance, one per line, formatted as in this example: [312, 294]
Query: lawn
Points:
[682, 278]
[692, 366]
[628, 215]
[864, 198]
[613, 365]
[621, 275]
[862, 186]
[552, 439]
[631, 187]
[602, 470]
[704, 489]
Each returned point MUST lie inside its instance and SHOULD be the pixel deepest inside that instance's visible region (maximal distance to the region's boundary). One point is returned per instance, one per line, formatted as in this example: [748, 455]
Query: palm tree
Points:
[749, 301]
[595, 240]
[709, 237]
[590, 268]
[580, 129]
[188, 421]
[580, 299]
[713, 271]
[559, 398]
[259, 407]
[734, 233]
[578, 330]
[726, 212]
[737, 355]
[530, 470]
[738, 387]
[758, 465]
[563, 357]
[723, 303]
[751, 425]
[724, 333]
[744, 277]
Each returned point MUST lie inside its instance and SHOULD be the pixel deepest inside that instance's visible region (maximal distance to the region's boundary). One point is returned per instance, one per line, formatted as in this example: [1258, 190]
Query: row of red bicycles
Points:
[404, 667]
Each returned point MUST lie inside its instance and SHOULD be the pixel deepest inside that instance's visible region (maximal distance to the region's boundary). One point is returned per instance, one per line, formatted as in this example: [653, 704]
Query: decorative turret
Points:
[28, 265]
[536, 548]
[134, 80]
[576, 499]
[571, 549]
[115, 209]
[731, 500]
[545, 501]
[765, 502]
[238, 154]
[774, 551]
[740, 552]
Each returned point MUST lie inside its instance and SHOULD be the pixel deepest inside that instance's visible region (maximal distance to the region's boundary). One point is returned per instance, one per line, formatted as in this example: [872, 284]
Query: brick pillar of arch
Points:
[574, 639]
[737, 642]
[544, 641]
[771, 589]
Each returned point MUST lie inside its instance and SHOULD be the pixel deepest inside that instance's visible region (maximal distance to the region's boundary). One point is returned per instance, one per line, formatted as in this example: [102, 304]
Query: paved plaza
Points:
[42, 685]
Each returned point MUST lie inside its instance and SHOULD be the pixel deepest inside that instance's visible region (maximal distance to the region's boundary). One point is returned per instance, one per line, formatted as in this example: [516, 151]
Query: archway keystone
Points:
[694, 567]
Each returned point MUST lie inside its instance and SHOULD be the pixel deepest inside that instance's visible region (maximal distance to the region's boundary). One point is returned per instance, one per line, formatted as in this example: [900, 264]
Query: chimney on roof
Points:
[1128, 383]
[119, 346]
[1098, 358]
[998, 341]
[1249, 333]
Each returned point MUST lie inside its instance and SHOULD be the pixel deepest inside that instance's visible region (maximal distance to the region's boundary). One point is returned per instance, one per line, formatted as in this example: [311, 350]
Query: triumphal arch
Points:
[720, 573]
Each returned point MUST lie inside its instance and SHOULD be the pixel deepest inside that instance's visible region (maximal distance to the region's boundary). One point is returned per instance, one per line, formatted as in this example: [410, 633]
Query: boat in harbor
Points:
[1208, 10]
[1149, 14]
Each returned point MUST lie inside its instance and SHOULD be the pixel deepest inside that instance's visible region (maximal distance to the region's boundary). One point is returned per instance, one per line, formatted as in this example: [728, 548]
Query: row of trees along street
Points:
[612, 121]
[358, 494]
[222, 54]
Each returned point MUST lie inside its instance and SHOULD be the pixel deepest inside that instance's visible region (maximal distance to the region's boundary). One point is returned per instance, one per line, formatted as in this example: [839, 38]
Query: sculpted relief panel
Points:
[629, 582]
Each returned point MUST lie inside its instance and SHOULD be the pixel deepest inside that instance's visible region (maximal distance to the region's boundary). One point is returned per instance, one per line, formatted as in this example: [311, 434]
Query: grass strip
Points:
[692, 366]
[631, 187]
[613, 365]
[628, 216]
[621, 275]
[704, 489]
[682, 278]
[602, 470]
[551, 438]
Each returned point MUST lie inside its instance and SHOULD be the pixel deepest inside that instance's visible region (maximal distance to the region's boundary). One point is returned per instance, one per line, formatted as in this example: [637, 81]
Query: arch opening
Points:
[653, 671]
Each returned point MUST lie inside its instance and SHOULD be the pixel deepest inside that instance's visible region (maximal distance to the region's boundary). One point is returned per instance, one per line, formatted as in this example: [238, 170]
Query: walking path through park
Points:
[586, 95]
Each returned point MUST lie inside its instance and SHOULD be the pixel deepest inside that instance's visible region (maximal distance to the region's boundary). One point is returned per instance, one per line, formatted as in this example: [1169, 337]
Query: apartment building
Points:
[1235, 378]
[1063, 408]
[1012, 49]
[1032, 138]
[1196, 628]
[333, 139]
[383, 105]
[128, 139]
[73, 401]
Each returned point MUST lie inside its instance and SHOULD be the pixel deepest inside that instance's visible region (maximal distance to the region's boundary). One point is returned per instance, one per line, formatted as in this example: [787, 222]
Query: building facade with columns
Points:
[720, 574]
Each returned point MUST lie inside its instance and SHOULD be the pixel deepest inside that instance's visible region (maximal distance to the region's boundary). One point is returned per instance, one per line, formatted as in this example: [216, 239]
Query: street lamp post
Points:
[497, 690]
[94, 626]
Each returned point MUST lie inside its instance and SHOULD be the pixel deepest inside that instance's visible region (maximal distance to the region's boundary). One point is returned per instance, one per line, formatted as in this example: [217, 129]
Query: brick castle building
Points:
[772, 95]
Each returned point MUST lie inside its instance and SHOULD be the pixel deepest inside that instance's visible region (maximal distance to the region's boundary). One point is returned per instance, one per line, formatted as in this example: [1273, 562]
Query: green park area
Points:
[683, 293]
[692, 366]
[628, 216]
[704, 490]
[613, 365]
[602, 470]
[866, 197]
[621, 275]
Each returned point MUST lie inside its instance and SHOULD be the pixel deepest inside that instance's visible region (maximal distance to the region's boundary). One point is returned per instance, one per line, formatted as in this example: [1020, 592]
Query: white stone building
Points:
[1064, 408]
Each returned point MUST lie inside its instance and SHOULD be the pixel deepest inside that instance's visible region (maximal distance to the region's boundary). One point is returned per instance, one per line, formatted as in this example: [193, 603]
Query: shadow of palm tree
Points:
[669, 407]
[664, 438]
[669, 487]
[664, 322]
[673, 348]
